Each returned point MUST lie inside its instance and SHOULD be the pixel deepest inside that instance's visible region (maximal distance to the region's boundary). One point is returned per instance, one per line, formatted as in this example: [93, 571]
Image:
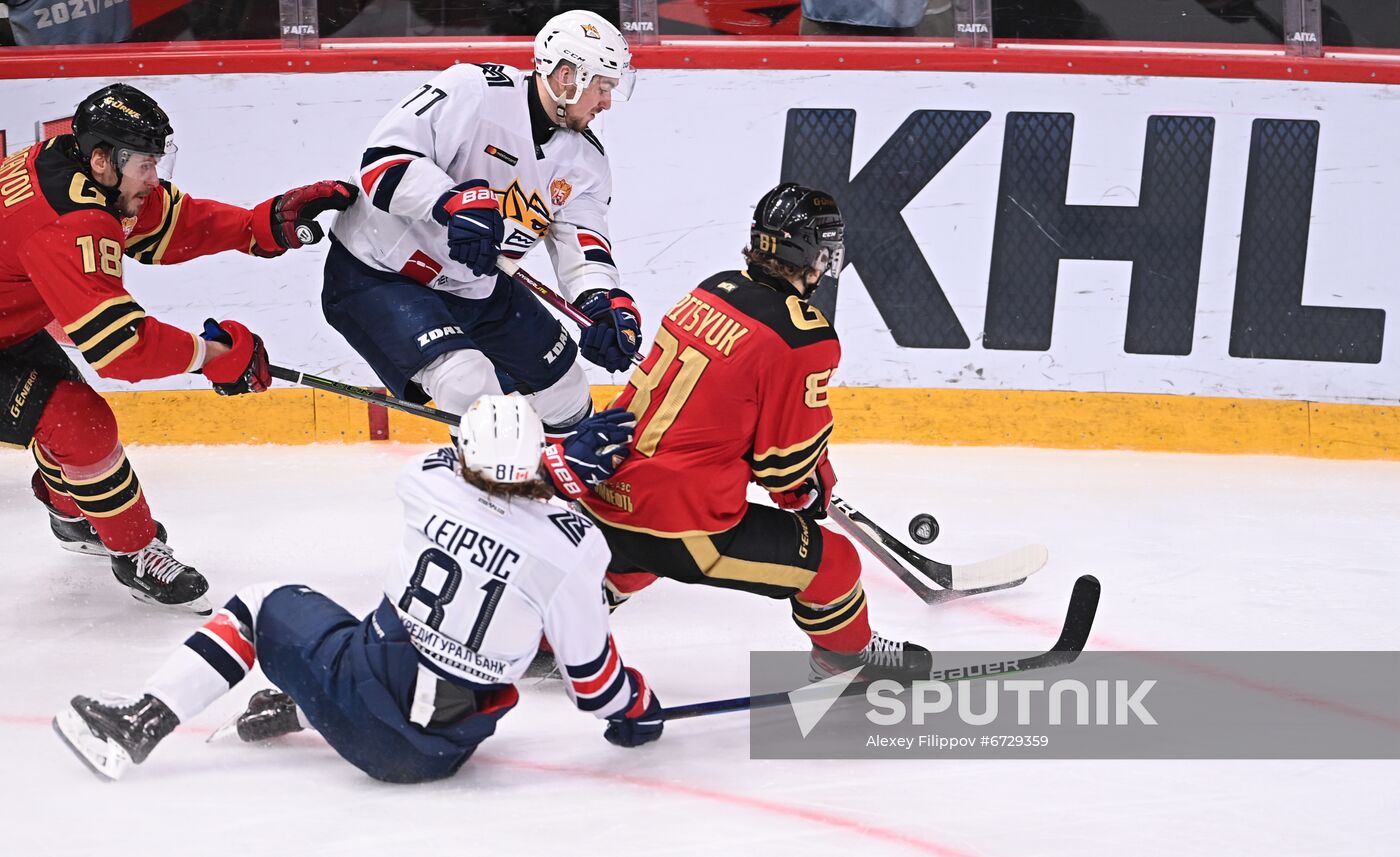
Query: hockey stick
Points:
[362, 394]
[512, 269]
[843, 514]
[929, 595]
[1000, 572]
[1079, 621]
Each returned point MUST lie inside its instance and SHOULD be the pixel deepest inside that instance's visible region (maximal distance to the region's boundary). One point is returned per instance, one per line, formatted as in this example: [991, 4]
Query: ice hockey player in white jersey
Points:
[478, 162]
[406, 694]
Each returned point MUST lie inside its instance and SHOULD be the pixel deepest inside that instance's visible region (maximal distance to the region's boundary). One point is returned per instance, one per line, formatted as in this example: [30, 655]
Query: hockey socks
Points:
[213, 659]
[85, 469]
[832, 609]
[56, 499]
[618, 587]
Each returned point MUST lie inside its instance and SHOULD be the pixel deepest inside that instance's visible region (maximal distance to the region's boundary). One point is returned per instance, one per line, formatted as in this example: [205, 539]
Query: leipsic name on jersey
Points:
[475, 122]
[481, 578]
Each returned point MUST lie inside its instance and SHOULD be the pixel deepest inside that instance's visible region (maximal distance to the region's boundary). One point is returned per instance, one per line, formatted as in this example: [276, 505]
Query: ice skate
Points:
[110, 736]
[77, 535]
[543, 666]
[881, 658]
[270, 714]
[155, 576]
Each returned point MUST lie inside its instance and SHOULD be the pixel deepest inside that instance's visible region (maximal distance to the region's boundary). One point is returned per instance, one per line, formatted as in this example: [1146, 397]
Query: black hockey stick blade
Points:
[1074, 635]
[1079, 622]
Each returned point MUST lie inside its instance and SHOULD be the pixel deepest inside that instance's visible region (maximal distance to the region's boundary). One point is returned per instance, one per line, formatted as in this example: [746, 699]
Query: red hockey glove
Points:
[244, 367]
[641, 722]
[813, 495]
[288, 221]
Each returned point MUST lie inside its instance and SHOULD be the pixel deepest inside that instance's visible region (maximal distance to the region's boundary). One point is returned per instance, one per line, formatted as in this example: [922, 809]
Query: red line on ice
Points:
[849, 825]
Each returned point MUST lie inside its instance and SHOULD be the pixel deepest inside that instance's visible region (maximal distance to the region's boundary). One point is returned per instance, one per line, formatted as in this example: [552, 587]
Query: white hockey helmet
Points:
[592, 46]
[501, 439]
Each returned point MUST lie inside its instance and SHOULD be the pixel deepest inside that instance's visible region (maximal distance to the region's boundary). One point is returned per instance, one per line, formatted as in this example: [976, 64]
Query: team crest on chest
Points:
[526, 209]
[559, 191]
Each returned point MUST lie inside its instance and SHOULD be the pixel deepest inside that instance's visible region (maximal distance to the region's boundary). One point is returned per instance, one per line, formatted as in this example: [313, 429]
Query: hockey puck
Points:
[923, 528]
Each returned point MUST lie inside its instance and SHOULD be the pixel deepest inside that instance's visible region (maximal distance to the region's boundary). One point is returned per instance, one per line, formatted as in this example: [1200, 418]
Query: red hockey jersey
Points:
[734, 390]
[61, 252]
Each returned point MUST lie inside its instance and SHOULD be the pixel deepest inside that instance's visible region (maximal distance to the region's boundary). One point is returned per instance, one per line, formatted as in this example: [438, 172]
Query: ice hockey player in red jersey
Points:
[71, 209]
[733, 391]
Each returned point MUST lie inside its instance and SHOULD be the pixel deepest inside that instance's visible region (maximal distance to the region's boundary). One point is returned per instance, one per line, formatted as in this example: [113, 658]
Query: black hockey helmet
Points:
[124, 118]
[800, 226]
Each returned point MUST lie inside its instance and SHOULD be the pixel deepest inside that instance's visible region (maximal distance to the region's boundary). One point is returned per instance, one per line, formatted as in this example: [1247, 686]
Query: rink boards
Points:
[1077, 260]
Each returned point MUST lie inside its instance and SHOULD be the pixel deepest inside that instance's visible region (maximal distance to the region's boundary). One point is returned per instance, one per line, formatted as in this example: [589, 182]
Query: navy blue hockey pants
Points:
[354, 679]
[399, 326]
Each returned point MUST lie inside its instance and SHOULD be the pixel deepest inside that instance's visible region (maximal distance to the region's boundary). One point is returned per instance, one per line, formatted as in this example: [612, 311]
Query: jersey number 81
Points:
[437, 601]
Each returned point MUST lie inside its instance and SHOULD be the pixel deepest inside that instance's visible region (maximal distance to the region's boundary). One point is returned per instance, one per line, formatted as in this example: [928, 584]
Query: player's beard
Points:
[130, 204]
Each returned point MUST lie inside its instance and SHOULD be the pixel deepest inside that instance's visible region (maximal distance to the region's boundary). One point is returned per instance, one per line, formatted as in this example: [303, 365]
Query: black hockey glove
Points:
[474, 225]
[591, 454]
[641, 723]
[616, 332]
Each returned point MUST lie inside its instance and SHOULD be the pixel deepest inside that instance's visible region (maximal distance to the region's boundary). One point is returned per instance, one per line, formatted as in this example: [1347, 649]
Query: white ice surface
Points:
[1194, 552]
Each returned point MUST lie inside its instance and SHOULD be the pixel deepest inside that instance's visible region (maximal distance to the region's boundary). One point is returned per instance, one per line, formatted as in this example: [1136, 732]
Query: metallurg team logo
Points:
[559, 191]
[526, 209]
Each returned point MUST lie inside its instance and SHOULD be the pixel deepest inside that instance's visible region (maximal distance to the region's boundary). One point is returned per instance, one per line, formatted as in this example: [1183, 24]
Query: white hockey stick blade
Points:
[1001, 570]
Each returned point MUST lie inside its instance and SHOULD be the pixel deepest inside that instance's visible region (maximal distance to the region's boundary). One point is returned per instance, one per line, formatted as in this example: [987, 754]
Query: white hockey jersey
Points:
[481, 122]
[480, 578]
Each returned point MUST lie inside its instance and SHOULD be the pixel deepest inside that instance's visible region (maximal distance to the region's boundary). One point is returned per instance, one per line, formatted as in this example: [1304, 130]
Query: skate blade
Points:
[228, 730]
[199, 606]
[84, 548]
[107, 761]
[543, 668]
